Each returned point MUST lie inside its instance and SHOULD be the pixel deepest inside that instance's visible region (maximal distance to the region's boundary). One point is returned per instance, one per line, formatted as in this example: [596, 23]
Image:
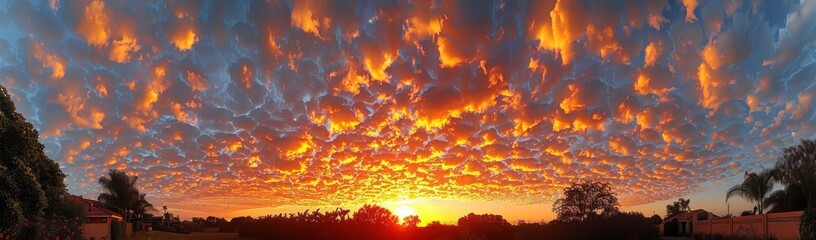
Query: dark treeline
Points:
[315, 225]
[587, 211]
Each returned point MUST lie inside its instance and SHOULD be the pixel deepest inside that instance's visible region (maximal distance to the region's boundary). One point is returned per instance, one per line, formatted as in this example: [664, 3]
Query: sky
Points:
[234, 108]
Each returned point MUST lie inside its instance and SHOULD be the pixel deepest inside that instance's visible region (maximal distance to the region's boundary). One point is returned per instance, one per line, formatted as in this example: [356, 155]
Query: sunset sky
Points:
[233, 108]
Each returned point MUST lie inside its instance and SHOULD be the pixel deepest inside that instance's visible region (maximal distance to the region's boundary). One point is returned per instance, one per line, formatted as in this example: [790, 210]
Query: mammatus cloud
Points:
[266, 103]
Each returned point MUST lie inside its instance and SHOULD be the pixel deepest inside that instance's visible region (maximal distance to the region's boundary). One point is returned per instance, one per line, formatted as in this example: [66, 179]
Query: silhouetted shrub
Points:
[807, 224]
[618, 226]
[335, 225]
[671, 228]
[56, 227]
[484, 226]
[192, 226]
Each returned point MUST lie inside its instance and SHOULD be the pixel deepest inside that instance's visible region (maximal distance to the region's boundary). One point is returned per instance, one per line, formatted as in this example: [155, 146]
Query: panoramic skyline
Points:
[250, 108]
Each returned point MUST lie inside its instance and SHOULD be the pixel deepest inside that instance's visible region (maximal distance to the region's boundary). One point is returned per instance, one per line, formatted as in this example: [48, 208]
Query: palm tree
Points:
[798, 167]
[784, 200]
[141, 207]
[119, 191]
[684, 204]
[753, 188]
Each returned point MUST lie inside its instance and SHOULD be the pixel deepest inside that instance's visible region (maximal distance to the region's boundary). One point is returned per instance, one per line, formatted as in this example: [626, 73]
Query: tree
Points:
[411, 221]
[754, 188]
[375, 215]
[797, 167]
[585, 201]
[791, 198]
[684, 204]
[484, 226]
[142, 207]
[31, 184]
[655, 219]
[119, 191]
[678, 207]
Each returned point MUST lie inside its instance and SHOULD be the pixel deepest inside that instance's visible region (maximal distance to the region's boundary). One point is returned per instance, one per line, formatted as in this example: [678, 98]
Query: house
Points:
[681, 224]
[98, 218]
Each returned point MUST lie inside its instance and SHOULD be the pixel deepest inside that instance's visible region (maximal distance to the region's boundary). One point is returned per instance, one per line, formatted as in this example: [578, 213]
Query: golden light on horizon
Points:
[404, 211]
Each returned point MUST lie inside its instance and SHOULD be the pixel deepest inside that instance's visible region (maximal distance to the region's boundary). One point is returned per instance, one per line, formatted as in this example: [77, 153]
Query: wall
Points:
[129, 229]
[783, 226]
[96, 230]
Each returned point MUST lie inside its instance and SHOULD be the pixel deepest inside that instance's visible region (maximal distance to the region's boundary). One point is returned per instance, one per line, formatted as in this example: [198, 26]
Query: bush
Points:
[45, 228]
[173, 229]
[807, 224]
[192, 226]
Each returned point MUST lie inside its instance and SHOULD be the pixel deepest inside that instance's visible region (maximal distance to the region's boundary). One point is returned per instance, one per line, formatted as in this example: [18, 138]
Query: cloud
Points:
[318, 102]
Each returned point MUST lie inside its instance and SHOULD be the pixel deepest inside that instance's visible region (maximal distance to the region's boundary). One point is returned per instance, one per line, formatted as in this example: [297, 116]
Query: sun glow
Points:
[404, 211]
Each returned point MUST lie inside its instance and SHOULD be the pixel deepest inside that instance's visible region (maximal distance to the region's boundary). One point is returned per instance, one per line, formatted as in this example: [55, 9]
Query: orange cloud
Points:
[122, 49]
[690, 5]
[184, 35]
[93, 25]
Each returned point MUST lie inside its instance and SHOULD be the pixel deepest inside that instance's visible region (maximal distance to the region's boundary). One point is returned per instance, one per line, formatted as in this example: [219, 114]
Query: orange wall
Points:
[96, 230]
[783, 226]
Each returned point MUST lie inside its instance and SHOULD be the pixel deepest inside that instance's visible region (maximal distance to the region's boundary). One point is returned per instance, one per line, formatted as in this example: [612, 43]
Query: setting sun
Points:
[404, 211]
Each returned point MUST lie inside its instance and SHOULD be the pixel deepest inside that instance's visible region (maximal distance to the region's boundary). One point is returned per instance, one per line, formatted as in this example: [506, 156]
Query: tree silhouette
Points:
[684, 204]
[791, 198]
[678, 207]
[484, 226]
[141, 206]
[753, 188]
[797, 168]
[30, 180]
[586, 200]
[119, 191]
[655, 219]
[411, 221]
[31, 184]
[375, 215]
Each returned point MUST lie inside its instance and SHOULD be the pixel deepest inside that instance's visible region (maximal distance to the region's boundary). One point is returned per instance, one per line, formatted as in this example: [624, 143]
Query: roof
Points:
[686, 216]
[93, 208]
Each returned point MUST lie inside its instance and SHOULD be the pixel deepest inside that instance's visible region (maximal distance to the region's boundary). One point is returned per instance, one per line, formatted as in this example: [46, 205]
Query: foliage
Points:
[334, 225]
[484, 226]
[175, 228]
[754, 188]
[807, 224]
[797, 167]
[375, 215]
[411, 221]
[678, 207]
[53, 227]
[119, 191]
[141, 207]
[791, 198]
[29, 180]
[31, 184]
[624, 225]
[69, 210]
[584, 201]
[655, 219]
